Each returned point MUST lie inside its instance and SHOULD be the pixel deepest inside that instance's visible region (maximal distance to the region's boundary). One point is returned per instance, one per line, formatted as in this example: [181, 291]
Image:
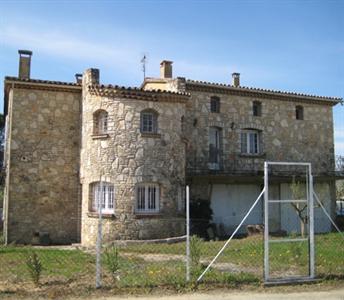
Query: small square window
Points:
[257, 108]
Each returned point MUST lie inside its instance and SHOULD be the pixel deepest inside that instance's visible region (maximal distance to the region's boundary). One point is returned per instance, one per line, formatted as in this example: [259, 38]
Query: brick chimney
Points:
[236, 79]
[24, 64]
[166, 69]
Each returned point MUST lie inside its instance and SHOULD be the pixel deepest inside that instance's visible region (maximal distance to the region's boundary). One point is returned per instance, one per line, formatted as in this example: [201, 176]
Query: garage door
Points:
[230, 203]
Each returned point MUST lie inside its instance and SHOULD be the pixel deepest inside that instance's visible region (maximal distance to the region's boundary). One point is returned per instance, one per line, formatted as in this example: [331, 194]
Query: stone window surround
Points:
[100, 123]
[257, 108]
[215, 104]
[299, 112]
[246, 131]
[157, 199]
[152, 124]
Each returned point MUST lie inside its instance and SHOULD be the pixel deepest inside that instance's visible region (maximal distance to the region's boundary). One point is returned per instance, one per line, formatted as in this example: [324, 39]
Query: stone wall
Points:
[283, 138]
[42, 160]
[125, 157]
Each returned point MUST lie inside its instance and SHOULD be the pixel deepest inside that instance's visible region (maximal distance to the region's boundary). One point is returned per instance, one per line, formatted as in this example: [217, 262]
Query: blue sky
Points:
[285, 45]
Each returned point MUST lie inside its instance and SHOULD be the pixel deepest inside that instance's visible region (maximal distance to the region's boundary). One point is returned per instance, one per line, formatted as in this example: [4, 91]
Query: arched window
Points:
[299, 112]
[104, 193]
[257, 108]
[147, 198]
[215, 104]
[100, 120]
[149, 121]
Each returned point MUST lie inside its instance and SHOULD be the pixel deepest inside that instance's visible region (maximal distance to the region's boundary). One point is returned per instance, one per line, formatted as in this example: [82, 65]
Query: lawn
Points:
[150, 265]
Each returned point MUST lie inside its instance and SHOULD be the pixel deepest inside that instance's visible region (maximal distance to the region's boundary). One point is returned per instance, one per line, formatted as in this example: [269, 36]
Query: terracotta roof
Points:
[263, 91]
[135, 89]
[9, 78]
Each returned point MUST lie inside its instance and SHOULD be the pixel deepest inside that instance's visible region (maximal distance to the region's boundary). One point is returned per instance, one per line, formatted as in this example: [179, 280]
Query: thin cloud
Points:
[69, 47]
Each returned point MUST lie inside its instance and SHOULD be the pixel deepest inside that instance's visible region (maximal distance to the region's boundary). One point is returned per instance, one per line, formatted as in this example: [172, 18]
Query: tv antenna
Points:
[144, 62]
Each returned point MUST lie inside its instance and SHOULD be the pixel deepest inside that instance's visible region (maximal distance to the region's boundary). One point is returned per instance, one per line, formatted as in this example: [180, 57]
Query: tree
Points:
[299, 193]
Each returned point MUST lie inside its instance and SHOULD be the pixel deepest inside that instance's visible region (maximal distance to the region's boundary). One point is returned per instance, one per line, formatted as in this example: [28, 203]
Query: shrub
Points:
[201, 215]
[195, 255]
[34, 267]
[111, 260]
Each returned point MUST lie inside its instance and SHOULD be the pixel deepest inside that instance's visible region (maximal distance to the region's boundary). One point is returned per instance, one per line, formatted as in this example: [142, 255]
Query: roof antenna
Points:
[144, 62]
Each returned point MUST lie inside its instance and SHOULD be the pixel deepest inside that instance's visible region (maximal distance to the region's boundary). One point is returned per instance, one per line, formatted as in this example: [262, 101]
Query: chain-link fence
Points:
[165, 263]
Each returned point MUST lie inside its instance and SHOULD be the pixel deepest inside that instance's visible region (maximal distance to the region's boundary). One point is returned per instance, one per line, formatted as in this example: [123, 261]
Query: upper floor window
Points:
[100, 120]
[215, 104]
[149, 121]
[299, 112]
[257, 108]
[104, 193]
[147, 198]
[250, 142]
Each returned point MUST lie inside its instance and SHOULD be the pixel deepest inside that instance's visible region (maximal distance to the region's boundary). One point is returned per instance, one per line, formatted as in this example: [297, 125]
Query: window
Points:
[214, 147]
[149, 120]
[100, 119]
[250, 142]
[103, 192]
[299, 112]
[257, 108]
[147, 198]
[215, 104]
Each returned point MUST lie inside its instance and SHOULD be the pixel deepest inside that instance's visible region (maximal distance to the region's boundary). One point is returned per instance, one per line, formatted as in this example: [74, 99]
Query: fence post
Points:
[187, 234]
[99, 237]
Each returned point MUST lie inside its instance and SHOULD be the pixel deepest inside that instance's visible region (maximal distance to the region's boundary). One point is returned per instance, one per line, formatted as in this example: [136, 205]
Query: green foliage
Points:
[34, 267]
[201, 215]
[195, 255]
[111, 260]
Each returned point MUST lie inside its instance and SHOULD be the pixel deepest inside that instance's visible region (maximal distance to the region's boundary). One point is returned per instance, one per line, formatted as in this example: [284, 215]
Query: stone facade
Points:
[42, 164]
[126, 157]
[56, 157]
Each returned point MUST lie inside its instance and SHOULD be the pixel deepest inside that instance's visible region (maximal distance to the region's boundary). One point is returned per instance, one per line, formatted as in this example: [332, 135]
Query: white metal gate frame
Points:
[310, 238]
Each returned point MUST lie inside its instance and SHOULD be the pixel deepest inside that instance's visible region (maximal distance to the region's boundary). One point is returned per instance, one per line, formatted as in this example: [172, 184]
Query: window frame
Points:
[299, 112]
[154, 121]
[246, 141]
[108, 203]
[257, 108]
[101, 122]
[142, 201]
[215, 104]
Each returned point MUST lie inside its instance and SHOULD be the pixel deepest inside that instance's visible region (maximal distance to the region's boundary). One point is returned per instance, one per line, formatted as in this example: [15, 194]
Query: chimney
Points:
[78, 78]
[91, 76]
[236, 79]
[166, 69]
[24, 64]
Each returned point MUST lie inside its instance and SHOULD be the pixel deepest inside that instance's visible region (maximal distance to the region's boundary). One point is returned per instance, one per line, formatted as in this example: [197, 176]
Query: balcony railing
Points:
[235, 164]
[241, 164]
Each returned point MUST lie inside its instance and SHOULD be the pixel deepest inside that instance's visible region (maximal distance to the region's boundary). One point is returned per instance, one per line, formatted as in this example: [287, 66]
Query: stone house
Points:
[68, 145]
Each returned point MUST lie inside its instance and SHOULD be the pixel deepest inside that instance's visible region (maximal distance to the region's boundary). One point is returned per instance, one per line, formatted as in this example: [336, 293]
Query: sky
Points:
[284, 45]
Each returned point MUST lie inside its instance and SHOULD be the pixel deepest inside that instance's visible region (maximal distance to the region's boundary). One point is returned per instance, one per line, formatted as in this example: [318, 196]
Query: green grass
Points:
[152, 265]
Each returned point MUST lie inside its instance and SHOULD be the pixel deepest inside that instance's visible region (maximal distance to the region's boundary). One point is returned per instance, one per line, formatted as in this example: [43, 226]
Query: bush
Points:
[34, 267]
[111, 260]
[195, 255]
[200, 215]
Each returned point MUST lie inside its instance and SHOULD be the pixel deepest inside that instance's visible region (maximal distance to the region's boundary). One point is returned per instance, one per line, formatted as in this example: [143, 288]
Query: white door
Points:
[231, 202]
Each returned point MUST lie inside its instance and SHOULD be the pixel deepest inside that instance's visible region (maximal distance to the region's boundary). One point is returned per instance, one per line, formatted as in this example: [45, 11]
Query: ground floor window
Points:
[104, 193]
[147, 198]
